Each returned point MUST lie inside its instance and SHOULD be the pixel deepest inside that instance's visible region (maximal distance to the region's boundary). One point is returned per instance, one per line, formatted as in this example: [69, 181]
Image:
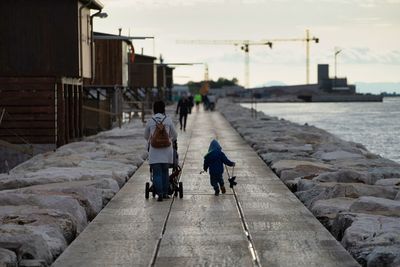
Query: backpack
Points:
[160, 137]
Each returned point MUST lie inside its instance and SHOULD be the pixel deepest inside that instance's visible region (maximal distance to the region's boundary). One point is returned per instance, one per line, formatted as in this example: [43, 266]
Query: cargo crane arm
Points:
[244, 45]
[307, 39]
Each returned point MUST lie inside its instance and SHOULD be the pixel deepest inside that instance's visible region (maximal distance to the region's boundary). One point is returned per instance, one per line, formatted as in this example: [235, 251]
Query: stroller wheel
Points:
[146, 190]
[153, 191]
[180, 188]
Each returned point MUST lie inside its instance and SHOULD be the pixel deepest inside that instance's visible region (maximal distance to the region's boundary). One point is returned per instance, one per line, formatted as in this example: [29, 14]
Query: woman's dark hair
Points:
[159, 107]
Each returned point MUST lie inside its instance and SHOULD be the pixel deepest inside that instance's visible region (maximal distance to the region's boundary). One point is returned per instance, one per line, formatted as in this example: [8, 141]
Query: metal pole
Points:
[2, 115]
[308, 56]
[336, 53]
[247, 66]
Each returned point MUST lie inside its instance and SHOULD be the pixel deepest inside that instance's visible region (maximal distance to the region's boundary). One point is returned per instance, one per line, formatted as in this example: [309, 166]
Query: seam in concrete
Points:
[252, 248]
[157, 248]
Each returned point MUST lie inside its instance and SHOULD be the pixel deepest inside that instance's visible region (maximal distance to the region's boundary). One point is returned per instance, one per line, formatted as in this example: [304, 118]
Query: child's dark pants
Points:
[215, 181]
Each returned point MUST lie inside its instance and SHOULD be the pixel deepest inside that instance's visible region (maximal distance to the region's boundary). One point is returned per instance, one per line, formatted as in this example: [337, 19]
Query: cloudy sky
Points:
[367, 32]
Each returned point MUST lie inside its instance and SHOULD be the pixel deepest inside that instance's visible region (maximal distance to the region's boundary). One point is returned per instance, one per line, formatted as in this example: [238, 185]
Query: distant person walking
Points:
[197, 100]
[183, 109]
[191, 104]
[160, 133]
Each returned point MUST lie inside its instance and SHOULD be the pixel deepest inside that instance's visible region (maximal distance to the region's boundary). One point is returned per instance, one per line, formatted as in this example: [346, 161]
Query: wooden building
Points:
[45, 58]
[142, 72]
[165, 80]
[103, 97]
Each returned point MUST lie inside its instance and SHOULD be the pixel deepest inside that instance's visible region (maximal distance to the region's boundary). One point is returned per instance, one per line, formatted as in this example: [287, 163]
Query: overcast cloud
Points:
[368, 31]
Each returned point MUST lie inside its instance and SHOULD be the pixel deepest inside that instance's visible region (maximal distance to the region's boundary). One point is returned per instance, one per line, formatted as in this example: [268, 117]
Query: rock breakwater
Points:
[48, 200]
[353, 192]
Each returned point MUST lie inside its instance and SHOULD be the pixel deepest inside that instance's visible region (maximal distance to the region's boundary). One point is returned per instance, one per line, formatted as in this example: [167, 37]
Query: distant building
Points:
[326, 90]
[104, 93]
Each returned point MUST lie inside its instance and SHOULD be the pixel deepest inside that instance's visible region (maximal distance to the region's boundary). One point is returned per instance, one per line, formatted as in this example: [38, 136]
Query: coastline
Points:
[353, 192]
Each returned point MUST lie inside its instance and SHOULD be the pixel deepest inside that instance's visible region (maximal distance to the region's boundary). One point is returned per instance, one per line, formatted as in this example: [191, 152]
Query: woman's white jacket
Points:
[165, 154]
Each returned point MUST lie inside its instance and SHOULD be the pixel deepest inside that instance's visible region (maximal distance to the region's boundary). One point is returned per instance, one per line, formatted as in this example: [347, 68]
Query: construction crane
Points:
[307, 39]
[244, 45]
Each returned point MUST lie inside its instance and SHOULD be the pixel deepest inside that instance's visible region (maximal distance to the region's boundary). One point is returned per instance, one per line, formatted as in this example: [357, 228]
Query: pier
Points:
[259, 223]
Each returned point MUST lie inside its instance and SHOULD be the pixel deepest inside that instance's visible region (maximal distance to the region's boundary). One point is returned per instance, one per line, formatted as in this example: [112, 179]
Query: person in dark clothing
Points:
[206, 102]
[214, 162]
[191, 103]
[183, 109]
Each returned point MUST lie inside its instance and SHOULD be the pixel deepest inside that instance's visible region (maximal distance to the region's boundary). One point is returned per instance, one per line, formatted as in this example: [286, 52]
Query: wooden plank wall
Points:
[39, 38]
[69, 112]
[108, 58]
[41, 110]
[141, 75]
[30, 110]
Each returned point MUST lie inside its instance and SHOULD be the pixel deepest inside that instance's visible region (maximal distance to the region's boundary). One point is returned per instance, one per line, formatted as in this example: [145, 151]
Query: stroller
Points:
[175, 186]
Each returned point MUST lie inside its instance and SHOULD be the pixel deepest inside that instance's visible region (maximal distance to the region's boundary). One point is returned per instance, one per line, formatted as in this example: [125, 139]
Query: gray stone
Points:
[304, 166]
[88, 197]
[339, 155]
[384, 256]
[63, 203]
[43, 242]
[345, 176]
[351, 190]
[8, 258]
[389, 182]
[35, 216]
[377, 206]
[326, 209]
[360, 233]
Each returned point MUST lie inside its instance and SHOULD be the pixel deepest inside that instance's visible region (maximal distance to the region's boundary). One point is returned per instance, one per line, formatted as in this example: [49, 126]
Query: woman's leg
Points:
[157, 178]
[165, 178]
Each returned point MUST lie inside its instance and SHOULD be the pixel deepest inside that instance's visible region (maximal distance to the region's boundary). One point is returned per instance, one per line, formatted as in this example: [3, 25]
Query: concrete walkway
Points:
[260, 224]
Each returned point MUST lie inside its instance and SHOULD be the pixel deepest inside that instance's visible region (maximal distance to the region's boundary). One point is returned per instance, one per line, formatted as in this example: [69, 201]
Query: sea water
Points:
[376, 125]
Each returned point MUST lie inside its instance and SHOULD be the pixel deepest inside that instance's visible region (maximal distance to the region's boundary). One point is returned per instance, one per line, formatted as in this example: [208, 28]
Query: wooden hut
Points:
[103, 99]
[45, 58]
[165, 81]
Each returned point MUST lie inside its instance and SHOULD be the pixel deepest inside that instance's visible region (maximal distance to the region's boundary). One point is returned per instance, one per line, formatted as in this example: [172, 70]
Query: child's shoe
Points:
[223, 190]
[216, 192]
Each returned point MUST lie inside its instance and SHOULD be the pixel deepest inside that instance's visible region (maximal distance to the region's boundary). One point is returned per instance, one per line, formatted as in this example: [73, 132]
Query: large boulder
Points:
[62, 203]
[60, 175]
[389, 182]
[89, 198]
[339, 155]
[325, 210]
[345, 176]
[8, 258]
[44, 242]
[384, 256]
[36, 216]
[308, 167]
[361, 234]
[350, 190]
[377, 206]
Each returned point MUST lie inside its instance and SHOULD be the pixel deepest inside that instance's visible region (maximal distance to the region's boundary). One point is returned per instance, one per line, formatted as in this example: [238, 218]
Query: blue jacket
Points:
[215, 159]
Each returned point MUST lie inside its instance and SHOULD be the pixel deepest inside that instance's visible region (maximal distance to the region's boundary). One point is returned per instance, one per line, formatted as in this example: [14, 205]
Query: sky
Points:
[366, 31]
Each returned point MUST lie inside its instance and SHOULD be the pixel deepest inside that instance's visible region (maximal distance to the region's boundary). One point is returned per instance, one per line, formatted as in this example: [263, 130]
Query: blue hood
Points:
[214, 146]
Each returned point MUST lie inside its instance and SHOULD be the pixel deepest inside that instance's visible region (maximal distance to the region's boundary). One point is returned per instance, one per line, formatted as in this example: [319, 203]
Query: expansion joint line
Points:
[252, 247]
[157, 248]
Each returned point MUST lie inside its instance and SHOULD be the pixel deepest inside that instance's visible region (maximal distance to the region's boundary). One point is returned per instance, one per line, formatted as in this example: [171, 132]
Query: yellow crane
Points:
[244, 45]
[307, 39]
